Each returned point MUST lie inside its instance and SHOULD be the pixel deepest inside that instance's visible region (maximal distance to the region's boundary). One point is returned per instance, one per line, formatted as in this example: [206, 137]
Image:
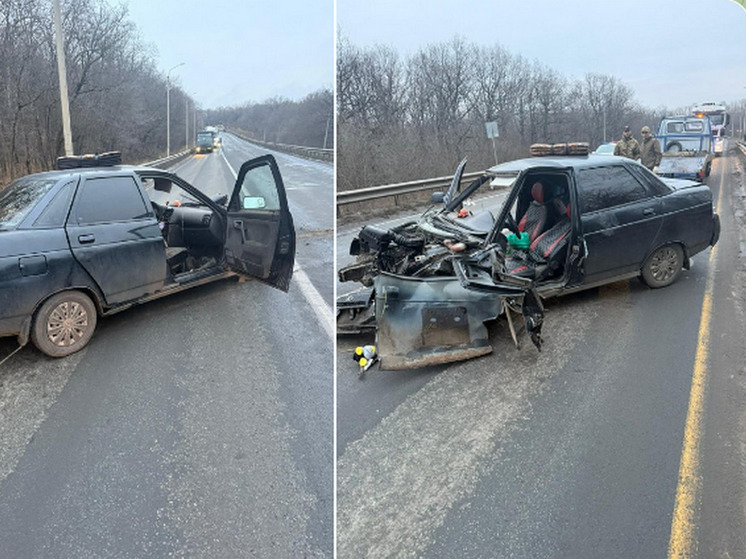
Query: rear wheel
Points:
[64, 324]
[663, 266]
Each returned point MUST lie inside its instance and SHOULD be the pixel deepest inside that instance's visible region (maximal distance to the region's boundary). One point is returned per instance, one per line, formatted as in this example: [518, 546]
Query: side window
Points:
[258, 190]
[55, 214]
[606, 187]
[675, 127]
[109, 199]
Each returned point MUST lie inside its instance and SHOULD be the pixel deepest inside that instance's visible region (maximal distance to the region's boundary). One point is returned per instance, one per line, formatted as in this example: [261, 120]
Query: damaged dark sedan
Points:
[567, 223]
[97, 237]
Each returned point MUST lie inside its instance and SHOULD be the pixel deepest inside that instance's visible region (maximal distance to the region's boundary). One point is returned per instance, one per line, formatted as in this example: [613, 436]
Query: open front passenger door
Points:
[260, 237]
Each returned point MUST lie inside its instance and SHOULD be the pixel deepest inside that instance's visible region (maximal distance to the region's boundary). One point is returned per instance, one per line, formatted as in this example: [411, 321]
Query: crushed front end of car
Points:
[429, 321]
[435, 284]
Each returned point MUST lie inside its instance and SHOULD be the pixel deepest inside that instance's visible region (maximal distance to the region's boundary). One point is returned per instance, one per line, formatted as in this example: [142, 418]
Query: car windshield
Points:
[19, 198]
[204, 137]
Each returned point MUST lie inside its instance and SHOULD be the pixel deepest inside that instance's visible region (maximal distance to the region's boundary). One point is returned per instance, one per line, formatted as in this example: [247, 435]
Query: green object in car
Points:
[520, 240]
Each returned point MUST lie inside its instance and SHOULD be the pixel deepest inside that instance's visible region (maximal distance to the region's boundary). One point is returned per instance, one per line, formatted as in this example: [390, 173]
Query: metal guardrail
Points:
[320, 154]
[168, 161]
[385, 191]
[742, 147]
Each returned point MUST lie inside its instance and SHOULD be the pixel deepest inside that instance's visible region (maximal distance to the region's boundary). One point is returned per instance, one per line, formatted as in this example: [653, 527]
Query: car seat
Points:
[546, 254]
[537, 217]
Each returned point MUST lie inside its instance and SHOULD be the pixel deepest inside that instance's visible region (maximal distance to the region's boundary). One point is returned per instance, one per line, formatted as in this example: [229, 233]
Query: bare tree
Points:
[451, 90]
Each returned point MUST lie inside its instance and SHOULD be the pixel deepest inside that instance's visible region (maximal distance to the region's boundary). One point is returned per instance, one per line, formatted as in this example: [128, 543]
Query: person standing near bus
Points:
[650, 149]
[627, 146]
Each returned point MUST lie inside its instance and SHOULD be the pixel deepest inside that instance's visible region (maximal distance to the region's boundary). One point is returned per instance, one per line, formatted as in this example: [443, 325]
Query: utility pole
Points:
[62, 71]
[326, 134]
[168, 108]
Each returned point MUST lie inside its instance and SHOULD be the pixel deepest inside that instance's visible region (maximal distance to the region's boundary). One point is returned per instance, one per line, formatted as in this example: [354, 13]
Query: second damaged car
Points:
[564, 223]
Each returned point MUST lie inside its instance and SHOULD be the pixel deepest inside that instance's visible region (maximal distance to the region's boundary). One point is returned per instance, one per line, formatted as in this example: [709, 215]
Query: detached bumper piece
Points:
[430, 321]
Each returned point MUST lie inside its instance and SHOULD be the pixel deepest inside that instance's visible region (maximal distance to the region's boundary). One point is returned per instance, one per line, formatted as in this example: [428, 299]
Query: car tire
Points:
[708, 168]
[64, 324]
[673, 147]
[663, 266]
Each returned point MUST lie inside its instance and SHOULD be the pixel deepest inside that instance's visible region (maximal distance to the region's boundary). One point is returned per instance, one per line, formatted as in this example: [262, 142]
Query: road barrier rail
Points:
[742, 147]
[319, 154]
[386, 197]
[167, 162]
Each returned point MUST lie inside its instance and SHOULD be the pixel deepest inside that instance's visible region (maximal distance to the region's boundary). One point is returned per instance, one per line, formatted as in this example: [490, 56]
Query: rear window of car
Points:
[55, 214]
[20, 197]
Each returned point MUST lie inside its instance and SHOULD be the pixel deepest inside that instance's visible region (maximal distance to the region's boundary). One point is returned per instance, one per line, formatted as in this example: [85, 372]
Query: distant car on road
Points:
[568, 223]
[607, 148]
[83, 242]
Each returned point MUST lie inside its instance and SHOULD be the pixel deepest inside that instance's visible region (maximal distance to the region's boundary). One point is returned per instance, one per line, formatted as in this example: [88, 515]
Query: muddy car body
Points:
[83, 242]
[592, 220]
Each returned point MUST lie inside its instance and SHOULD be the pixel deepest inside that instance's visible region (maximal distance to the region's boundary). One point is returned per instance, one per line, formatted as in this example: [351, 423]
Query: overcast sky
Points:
[238, 51]
[672, 53]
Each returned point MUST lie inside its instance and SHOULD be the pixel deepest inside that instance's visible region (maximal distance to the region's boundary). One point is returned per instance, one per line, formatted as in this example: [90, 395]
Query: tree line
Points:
[308, 122]
[117, 95]
[405, 118]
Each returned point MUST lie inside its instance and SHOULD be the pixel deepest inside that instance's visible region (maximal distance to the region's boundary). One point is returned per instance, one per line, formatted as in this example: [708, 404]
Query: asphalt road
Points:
[572, 452]
[199, 425]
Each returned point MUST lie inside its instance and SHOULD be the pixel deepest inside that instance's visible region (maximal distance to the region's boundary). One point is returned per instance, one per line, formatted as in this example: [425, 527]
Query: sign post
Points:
[493, 133]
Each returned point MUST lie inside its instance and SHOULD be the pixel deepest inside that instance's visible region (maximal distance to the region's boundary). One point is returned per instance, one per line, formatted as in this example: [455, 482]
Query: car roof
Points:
[90, 171]
[556, 162]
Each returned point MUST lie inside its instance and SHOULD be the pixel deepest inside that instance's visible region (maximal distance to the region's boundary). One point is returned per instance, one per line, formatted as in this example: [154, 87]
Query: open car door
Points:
[260, 237]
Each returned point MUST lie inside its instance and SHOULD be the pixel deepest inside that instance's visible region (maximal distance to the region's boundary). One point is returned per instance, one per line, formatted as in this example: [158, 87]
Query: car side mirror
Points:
[437, 197]
[253, 203]
[162, 185]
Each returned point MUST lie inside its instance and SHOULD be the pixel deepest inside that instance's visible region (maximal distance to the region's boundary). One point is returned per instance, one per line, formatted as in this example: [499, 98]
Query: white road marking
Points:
[319, 306]
[315, 300]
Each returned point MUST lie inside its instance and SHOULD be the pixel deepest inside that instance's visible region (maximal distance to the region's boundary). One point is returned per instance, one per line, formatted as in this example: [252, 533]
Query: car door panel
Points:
[621, 218]
[126, 257]
[260, 236]
[619, 239]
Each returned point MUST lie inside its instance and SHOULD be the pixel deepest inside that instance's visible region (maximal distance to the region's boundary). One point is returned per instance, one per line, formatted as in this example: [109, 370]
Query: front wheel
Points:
[663, 266]
[64, 324]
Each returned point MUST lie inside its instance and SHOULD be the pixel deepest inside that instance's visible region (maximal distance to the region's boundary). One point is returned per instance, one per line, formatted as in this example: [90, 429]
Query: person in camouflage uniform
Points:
[650, 149]
[627, 146]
